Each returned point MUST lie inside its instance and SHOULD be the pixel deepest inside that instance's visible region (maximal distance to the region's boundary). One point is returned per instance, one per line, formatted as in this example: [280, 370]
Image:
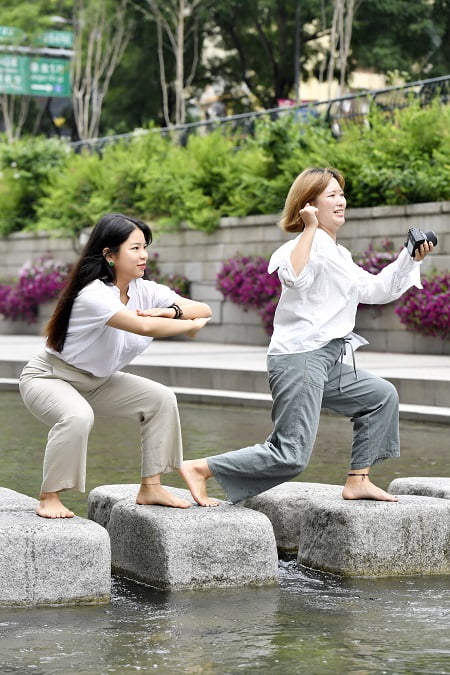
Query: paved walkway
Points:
[237, 373]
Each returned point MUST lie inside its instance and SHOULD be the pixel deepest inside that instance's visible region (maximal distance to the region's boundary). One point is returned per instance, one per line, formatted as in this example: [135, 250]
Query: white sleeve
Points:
[281, 261]
[391, 282]
[94, 306]
[157, 295]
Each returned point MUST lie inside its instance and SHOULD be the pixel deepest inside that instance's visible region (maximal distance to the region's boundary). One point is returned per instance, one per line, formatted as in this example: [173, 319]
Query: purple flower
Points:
[246, 282]
[38, 282]
[373, 260]
[427, 310]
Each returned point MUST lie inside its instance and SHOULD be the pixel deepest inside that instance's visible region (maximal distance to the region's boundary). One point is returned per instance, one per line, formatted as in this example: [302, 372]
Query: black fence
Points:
[336, 112]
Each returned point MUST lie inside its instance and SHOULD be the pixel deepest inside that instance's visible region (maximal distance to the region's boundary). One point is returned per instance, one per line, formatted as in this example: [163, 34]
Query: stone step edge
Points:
[222, 396]
[394, 374]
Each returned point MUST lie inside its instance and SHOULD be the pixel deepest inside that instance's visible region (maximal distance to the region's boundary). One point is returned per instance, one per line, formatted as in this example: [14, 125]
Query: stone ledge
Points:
[425, 487]
[10, 500]
[185, 548]
[282, 505]
[50, 562]
[358, 538]
[375, 539]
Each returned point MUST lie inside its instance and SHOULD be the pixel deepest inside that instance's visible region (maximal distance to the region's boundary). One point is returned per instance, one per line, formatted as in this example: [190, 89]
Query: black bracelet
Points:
[178, 311]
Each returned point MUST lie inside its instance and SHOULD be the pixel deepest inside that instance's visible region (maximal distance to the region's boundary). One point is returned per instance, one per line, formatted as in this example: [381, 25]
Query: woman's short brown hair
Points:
[306, 187]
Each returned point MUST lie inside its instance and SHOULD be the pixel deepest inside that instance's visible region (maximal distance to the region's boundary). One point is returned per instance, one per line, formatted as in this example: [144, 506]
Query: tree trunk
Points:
[99, 43]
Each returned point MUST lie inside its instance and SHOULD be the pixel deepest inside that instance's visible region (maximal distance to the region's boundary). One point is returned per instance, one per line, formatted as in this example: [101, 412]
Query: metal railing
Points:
[336, 112]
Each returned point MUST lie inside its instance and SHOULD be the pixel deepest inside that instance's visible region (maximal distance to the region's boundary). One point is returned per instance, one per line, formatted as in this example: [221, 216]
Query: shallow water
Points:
[311, 623]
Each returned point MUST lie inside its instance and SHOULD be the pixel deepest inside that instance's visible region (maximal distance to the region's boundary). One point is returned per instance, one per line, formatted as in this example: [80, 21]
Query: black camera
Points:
[416, 238]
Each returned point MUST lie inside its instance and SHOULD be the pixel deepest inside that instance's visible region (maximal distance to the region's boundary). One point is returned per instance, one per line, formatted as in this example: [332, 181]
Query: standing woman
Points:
[321, 290]
[106, 315]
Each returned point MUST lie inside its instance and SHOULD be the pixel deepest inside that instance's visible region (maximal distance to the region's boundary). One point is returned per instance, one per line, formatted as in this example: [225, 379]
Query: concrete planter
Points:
[8, 327]
[385, 333]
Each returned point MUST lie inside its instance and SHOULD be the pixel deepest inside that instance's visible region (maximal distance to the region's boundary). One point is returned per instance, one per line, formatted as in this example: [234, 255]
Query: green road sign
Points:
[14, 70]
[34, 75]
[49, 76]
[11, 34]
[56, 38]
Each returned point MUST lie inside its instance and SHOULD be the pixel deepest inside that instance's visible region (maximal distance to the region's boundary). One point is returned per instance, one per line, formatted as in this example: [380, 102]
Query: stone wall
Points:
[199, 256]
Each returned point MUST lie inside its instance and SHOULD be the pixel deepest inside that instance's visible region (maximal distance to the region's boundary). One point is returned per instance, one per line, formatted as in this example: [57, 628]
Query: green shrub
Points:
[400, 159]
[74, 198]
[26, 167]
[197, 184]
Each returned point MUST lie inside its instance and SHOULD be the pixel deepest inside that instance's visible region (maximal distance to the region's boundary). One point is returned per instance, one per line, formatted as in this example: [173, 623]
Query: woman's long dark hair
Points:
[110, 232]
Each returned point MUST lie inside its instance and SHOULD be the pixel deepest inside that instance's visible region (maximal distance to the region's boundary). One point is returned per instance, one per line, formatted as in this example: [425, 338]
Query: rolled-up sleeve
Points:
[281, 261]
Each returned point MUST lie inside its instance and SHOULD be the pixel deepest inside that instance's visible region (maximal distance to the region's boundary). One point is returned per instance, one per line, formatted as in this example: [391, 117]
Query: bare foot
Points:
[360, 487]
[157, 495]
[50, 506]
[196, 472]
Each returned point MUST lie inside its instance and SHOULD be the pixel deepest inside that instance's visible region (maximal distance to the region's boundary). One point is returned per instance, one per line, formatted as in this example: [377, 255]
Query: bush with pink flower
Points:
[38, 282]
[427, 310]
[177, 282]
[373, 260]
[246, 282]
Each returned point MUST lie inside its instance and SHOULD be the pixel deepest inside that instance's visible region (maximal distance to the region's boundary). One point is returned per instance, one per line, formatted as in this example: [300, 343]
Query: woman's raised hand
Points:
[308, 214]
[423, 250]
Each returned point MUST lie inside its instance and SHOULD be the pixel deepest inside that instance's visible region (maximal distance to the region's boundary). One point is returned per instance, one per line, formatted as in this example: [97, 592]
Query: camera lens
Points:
[431, 237]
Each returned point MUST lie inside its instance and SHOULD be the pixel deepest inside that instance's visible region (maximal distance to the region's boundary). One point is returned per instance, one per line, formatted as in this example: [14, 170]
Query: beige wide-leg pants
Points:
[66, 399]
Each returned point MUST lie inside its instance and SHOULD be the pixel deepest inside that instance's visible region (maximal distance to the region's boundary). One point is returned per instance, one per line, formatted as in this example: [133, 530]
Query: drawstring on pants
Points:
[343, 351]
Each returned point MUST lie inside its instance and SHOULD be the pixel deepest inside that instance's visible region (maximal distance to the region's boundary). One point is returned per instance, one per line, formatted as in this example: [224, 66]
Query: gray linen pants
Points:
[301, 384]
[67, 399]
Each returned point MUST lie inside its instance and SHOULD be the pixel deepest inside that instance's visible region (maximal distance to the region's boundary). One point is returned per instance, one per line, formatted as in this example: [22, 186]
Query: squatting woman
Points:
[106, 315]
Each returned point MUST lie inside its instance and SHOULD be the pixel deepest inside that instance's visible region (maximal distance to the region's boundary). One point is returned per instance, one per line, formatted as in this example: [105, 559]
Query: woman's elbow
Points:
[202, 310]
[208, 311]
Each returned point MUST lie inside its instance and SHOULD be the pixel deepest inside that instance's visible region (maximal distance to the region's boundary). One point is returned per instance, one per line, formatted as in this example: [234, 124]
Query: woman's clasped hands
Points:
[167, 313]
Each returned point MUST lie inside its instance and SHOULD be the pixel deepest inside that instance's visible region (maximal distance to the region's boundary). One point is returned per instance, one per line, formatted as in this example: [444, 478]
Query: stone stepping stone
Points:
[426, 487]
[363, 537]
[282, 505]
[50, 561]
[185, 548]
[371, 539]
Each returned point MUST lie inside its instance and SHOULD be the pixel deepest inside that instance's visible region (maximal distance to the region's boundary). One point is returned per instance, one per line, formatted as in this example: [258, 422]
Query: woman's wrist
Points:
[178, 312]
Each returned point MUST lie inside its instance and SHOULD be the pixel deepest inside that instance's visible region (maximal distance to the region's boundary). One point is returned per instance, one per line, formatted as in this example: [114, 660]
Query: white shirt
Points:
[99, 349]
[320, 303]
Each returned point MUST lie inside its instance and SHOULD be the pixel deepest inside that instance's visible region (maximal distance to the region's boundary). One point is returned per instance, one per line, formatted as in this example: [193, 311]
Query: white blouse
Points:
[99, 349]
[320, 303]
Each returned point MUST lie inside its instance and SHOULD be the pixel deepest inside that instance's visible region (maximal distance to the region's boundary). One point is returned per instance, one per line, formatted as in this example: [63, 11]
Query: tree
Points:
[178, 36]
[129, 104]
[258, 39]
[102, 31]
[439, 58]
[340, 40]
[398, 35]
